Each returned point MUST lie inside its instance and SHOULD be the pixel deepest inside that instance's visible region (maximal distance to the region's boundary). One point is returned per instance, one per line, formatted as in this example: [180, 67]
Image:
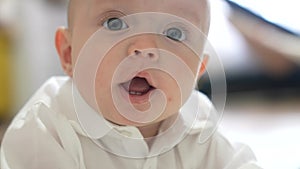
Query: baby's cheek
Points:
[173, 104]
[173, 93]
[187, 56]
[192, 61]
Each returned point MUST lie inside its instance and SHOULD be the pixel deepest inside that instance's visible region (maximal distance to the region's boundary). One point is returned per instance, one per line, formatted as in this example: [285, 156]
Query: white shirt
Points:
[46, 134]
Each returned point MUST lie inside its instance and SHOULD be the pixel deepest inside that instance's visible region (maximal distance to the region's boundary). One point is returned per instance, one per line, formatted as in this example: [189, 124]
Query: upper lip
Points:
[144, 75]
[147, 76]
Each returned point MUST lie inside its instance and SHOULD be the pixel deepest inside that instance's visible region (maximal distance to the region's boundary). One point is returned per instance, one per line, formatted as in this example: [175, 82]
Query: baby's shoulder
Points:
[40, 111]
[215, 152]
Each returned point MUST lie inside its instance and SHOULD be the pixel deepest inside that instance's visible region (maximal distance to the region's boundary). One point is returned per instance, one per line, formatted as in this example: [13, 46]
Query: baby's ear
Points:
[64, 49]
[203, 65]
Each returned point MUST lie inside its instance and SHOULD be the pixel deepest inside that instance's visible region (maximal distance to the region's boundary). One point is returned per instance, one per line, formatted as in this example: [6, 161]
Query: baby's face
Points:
[144, 76]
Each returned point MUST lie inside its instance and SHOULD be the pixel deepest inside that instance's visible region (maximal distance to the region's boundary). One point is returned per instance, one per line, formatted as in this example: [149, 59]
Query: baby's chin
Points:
[119, 120]
[142, 107]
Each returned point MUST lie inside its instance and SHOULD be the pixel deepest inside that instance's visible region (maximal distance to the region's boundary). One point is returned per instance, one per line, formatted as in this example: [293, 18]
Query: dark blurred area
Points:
[269, 86]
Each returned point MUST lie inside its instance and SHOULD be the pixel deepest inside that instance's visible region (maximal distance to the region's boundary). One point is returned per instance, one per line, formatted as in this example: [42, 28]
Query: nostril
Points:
[145, 53]
[137, 52]
[153, 57]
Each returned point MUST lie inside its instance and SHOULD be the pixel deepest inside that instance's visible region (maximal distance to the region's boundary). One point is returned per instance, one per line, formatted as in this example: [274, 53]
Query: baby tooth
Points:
[132, 92]
[135, 93]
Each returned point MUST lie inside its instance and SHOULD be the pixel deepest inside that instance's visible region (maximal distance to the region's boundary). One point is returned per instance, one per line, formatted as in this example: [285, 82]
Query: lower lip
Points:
[135, 99]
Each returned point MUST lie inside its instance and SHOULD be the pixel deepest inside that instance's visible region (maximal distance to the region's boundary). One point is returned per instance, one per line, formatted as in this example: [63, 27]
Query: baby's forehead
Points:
[193, 10]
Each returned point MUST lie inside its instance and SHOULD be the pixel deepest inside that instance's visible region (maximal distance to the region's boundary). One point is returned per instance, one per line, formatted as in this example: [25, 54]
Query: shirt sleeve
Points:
[39, 138]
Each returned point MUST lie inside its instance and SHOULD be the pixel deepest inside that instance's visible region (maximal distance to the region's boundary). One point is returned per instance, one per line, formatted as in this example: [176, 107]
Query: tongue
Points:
[139, 85]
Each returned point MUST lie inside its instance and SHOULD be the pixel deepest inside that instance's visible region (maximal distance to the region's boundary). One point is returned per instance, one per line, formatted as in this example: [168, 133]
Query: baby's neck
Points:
[150, 130]
[153, 129]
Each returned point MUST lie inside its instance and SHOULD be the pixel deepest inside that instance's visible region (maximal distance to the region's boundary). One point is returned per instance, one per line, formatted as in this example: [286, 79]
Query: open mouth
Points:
[138, 86]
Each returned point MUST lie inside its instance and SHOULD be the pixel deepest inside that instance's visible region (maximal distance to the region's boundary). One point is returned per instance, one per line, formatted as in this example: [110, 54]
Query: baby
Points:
[128, 100]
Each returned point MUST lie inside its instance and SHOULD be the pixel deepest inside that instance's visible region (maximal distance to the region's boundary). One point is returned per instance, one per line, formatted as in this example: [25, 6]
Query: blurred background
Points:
[261, 59]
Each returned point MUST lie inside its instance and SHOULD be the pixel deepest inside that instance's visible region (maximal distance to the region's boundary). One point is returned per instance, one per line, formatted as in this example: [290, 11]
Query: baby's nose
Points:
[144, 46]
[151, 53]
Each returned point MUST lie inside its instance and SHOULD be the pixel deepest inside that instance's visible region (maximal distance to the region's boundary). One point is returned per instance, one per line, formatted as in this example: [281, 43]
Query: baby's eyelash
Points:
[171, 30]
[109, 14]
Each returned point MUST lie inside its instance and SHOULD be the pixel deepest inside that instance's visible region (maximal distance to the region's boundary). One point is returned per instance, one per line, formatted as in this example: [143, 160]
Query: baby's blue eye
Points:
[115, 24]
[175, 34]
